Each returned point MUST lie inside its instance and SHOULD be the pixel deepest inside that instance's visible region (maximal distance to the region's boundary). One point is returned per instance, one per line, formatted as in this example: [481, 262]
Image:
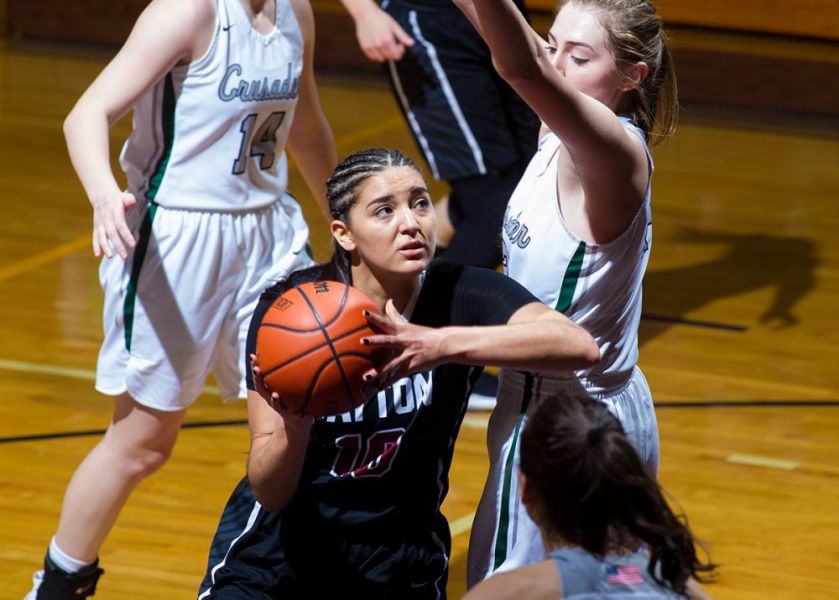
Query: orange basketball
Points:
[309, 348]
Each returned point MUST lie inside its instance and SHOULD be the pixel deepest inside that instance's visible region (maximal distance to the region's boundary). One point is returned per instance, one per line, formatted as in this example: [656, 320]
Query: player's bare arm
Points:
[310, 138]
[166, 33]
[278, 448]
[535, 338]
[611, 164]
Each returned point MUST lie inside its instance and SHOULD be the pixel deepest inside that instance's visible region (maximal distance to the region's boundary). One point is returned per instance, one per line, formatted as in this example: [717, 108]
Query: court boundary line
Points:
[34, 437]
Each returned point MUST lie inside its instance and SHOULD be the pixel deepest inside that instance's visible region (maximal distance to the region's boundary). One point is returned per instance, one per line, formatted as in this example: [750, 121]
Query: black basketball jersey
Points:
[365, 517]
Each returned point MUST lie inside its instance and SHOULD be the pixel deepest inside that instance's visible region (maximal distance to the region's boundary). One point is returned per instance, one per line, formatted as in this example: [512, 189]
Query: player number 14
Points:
[258, 141]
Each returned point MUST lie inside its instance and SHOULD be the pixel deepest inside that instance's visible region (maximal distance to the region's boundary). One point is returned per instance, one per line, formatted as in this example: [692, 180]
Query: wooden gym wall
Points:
[808, 18]
[108, 21]
[788, 64]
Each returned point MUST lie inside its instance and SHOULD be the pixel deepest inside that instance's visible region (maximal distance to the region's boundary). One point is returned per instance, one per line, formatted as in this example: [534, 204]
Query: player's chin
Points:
[414, 263]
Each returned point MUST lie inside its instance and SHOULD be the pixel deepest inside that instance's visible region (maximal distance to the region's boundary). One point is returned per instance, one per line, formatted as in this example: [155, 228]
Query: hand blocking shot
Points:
[360, 491]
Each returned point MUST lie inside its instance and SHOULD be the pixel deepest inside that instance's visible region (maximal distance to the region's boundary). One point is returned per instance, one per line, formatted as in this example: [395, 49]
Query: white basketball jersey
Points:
[210, 135]
[597, 286]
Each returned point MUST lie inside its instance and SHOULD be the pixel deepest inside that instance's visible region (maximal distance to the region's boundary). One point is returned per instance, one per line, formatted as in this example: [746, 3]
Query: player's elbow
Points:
[70, 123]
[514, 72]
[269, 504]
[585, 353]
[463, 4]
[270, 497]
[590, 353]
[519, 70]
[271, 488]
[84, 116]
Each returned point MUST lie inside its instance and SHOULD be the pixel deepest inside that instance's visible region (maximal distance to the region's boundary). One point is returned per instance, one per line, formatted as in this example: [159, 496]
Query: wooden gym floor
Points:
[739, 345]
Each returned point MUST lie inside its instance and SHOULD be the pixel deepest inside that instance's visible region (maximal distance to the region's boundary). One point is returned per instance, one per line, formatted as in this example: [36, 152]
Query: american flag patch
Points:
[624, 575]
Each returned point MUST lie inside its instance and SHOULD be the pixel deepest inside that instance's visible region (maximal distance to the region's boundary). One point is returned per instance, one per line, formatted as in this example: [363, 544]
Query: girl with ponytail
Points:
[578, 227]
[604, 521]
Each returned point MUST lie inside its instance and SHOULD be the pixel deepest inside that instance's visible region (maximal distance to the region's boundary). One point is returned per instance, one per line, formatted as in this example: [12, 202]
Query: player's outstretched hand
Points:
[415, 348]
[274, 401]
[380, 37]
[110, 231]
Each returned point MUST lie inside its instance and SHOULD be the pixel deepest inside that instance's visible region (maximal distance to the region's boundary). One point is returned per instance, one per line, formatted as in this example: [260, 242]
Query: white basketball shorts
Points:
[180, 305]
[504, 537]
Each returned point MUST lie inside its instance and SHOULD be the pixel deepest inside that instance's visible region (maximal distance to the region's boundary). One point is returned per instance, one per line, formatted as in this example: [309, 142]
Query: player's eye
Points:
[422, 203]
[383, 211]
[579, 61]
[550, 49]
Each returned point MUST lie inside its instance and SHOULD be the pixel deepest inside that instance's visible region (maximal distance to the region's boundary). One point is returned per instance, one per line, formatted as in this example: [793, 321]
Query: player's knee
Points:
[147, 462]
[137, 463]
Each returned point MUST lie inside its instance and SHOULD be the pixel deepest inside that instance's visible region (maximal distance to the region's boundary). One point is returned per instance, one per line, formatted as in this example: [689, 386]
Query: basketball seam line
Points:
[320, 326]
[315, 349]
[335, 355]
[316, 375]
[292, 329]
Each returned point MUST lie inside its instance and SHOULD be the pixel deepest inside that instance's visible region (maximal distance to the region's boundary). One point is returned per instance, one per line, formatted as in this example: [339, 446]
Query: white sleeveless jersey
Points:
[210, 135]
[597, 286]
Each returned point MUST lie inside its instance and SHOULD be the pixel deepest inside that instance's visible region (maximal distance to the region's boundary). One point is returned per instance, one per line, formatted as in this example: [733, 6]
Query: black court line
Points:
[747, 403]
[694, 323]
[91, 432]
[207, 424]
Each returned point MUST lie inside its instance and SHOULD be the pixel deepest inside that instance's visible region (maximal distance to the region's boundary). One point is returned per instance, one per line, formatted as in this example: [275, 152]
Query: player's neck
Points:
[380, 288]
[260, 10]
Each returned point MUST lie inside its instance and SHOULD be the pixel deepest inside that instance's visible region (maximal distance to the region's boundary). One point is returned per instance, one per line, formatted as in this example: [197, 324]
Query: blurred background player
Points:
[472, 128]
[604, 522]
[357, 496]
[577, 230]
[219, 88]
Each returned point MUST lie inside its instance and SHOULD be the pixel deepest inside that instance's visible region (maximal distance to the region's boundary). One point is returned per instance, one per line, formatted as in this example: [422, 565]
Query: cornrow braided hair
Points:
[342, 187]
[342, 193]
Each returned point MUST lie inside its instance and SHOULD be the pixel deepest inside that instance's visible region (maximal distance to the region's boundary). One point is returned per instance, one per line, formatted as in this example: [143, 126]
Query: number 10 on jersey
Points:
[258, 141]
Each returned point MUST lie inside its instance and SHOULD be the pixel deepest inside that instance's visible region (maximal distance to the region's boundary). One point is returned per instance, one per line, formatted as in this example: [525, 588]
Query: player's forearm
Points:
[278, 450]
[275, 464]
[542, 345]
[86, 134]
[359, 8]
[467, 7]
[318, 165]
[514, 46]
[316, 160]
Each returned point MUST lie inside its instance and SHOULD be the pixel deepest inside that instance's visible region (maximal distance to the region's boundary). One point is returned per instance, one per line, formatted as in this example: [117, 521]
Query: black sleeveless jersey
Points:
[365, 517]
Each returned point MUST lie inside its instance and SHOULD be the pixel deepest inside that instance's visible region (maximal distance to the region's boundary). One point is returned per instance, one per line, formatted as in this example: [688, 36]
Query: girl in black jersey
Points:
[351, 503]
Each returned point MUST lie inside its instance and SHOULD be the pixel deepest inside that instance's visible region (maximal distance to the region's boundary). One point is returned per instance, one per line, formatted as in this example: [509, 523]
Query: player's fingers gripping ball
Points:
[309, 350]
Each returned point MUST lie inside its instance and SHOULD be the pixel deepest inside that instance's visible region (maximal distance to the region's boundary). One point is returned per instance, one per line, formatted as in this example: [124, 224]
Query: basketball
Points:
[309, 350]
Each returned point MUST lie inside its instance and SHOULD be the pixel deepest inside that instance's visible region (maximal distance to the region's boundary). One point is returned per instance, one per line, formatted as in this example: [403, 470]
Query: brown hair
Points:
[589, 488]
[635, 34]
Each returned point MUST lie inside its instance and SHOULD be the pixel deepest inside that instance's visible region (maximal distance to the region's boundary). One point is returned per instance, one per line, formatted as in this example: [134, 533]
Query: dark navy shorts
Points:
[261, 555]
[465, 119]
